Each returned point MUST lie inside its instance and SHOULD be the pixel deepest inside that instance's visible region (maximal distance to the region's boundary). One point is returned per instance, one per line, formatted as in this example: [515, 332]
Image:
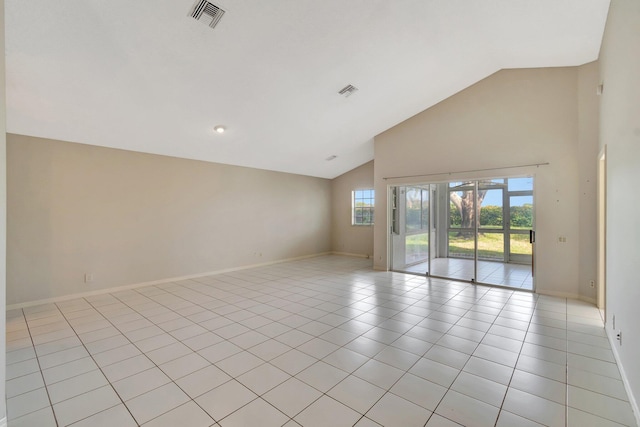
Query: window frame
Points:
[366, 196]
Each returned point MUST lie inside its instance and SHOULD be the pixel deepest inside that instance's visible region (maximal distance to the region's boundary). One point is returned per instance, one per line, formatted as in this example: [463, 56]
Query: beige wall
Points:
[514, 117]
[620, 131]
[129, 217]
[3, 223]
[588, 137]
[347, 238]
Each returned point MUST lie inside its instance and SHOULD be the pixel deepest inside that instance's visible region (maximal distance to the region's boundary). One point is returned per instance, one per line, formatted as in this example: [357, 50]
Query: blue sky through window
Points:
[494, 198]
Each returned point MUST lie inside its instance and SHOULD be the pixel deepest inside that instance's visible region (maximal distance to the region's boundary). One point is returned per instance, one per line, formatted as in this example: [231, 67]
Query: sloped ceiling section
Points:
[145, 76]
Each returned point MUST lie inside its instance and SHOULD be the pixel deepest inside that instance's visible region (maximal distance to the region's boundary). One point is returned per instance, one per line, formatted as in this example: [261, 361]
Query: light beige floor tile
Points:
[480, 388]
[534, 408]
[419, 391]
[257, 412]
[327, 411]
[115, 416]
[292, 396]
[356, 393]
[393, 410]
[263, 378]
[188, 414]
[156, 402]
[225, 399]
[466, 410]
[28, 402]
[85, 405]
[322, 376]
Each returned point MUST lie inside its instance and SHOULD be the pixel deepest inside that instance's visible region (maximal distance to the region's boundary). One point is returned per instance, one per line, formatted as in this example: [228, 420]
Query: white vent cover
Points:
[207, 12]
[348, 90]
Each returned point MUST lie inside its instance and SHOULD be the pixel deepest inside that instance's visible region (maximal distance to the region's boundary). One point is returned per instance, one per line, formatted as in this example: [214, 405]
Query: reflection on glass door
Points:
[458, 260]
[417, 228]
[411, 228]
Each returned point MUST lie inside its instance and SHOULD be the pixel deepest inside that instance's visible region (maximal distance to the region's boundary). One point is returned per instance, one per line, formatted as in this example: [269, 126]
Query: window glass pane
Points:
[425, 209]
[461, 209]
[417, 248]
[413, 206]
[490, 208]
[520, 184]
[521, 215]
[455, 220]
[520, 244]
[363, 201]
[491, 246]
[461, 244]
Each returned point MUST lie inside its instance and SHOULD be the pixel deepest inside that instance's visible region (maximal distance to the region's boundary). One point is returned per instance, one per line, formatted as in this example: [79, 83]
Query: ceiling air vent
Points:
[348, 90]
[207, 12]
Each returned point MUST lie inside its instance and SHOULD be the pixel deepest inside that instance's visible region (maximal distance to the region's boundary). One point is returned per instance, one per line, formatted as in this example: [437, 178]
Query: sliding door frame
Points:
[476, 229]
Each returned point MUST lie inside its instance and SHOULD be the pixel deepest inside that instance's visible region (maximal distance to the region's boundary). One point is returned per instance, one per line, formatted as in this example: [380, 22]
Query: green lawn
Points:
[490, 246]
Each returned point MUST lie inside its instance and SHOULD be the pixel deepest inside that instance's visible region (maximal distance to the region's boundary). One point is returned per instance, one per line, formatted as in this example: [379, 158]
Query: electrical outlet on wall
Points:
[88, 277]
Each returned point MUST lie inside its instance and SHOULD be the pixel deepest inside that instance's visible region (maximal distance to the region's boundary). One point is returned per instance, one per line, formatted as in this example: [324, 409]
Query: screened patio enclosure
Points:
[478, 231]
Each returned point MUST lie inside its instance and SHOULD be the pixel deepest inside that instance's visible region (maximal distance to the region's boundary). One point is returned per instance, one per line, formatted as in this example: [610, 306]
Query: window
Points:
[362, 207]
[416, 209]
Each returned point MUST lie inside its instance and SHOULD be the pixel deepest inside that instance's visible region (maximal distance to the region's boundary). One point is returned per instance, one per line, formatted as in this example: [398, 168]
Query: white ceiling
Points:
[144, 76]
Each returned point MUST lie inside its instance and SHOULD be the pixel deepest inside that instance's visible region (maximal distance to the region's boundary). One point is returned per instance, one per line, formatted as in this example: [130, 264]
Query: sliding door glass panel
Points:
[461, 245]
[521, 221]
[417, 250]
[520, 184]
[459, 260]
[491, 266]
[491, 246]
[460, 264]
[479, 232]
[521, 212]
[520, 244]
[491, 209]
[417, 229]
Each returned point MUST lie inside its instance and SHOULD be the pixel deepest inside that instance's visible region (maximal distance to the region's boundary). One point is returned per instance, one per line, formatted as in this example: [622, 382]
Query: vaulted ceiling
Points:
[145, 76]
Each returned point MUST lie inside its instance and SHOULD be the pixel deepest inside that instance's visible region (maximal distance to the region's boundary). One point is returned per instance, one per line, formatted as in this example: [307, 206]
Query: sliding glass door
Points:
[478, 230]
[411, 228]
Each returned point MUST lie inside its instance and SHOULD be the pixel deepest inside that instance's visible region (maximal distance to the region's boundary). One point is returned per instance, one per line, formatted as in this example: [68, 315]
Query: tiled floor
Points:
[489, 272]
[320, 342]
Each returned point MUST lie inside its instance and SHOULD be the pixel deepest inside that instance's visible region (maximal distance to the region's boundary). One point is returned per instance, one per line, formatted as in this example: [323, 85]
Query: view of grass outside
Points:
[416, 248]
[463, 219]
[521, 217]
[490, 245]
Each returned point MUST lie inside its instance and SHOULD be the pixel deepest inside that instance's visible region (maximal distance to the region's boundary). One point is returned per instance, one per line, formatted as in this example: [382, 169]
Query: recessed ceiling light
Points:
[220, 129]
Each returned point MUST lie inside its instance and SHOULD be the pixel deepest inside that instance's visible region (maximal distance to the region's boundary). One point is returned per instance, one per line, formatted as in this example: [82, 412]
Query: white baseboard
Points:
[154, 282]
[351, 254]
[557, 294]
[588, 299]
[613, 341]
